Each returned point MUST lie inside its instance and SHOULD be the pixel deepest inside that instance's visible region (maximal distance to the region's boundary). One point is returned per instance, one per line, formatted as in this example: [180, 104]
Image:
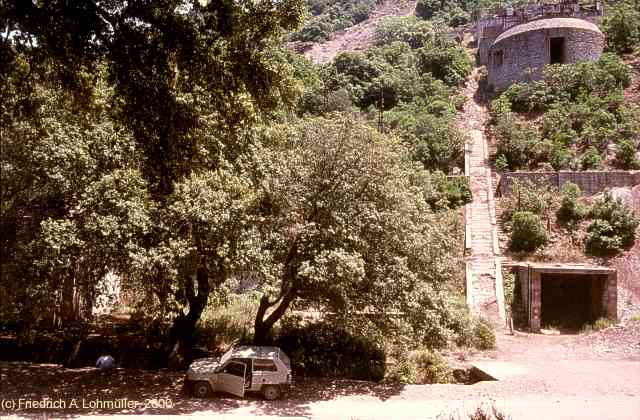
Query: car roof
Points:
[254, 352]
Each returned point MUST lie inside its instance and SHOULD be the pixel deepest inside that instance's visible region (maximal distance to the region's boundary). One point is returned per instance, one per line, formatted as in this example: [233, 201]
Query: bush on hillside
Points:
[591, 159]
[527, 232]
[454, 13]
[621, 27]
[527, 196]
[626, 154]
[563, 83]
[328, 16]
[432, 139]
[571, 211]
[445, 61]
[613, 227]
[517, 141]
[409, 29]
[443, 192]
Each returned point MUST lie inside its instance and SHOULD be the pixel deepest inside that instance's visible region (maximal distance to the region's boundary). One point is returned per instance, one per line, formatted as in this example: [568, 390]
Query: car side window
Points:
[264, 365]
[235, 369]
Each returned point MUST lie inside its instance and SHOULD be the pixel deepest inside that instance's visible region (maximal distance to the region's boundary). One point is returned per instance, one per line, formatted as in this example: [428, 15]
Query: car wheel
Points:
[201, 389]
[271, 392]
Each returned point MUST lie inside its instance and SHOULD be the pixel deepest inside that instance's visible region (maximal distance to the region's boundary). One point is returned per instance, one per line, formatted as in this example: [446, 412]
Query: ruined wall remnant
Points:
[590, 182]
[520, 53]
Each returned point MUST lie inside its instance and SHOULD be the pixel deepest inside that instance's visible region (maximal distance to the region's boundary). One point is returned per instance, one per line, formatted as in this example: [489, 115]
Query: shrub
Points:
[626, 150]
[420, 367]
[324, 349]
[433, 140]
[527, 232]
[561, 157]
[613, 227]
[484, 336]
[516, 141]
[317, 102]
[592, 159]
[411, 30]
[499, 106]
[449, 63]
[531, 96]
[443, 192]
[502, 164]
[568, 81]
[328, 16]
[403, 370]
[621, 27]
[431, 367]
[220, 325]
[527, 196]
[571, 211]
[508, 286]
[474, 332]
[512, 300]
[599, 324]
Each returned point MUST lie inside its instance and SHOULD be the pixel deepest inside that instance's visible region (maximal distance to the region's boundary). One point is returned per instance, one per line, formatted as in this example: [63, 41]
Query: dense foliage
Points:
[571, 211]
[621, 26]
[412, 81]
[613, 227]
[580, 113]
[321, 349]
[343, 222]
[176, 148]
[120, 120]
[453, 13]
[527, 232]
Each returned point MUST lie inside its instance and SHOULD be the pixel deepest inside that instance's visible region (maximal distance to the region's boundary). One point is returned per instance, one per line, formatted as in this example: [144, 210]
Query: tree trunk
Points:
[181, 333]
[262, 327]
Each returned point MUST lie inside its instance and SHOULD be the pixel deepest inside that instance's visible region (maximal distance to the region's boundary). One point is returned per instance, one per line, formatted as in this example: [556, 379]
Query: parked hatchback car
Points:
[262, 369]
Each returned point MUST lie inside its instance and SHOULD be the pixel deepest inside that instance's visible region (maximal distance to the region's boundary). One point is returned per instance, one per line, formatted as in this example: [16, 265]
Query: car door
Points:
[265, 372]
[231, 378]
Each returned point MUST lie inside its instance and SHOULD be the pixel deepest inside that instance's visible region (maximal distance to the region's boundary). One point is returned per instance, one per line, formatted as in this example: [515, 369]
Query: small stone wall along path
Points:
[485, 294]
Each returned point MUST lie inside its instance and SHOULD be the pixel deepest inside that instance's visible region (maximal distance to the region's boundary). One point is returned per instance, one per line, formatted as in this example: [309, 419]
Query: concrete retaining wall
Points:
[590, 182]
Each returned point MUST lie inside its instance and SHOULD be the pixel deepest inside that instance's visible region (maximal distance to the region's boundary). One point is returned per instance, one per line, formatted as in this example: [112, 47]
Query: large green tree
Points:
[185, 81]
[342, 223]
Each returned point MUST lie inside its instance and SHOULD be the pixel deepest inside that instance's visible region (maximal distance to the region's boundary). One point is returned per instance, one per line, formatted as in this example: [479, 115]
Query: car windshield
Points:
[285, 359]
[226, 356]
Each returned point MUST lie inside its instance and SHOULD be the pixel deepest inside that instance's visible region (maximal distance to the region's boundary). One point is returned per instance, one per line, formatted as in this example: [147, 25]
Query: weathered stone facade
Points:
[520, 53]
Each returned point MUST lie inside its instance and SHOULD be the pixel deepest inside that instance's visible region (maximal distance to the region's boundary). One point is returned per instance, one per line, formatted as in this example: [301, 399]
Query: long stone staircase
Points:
[484, 277]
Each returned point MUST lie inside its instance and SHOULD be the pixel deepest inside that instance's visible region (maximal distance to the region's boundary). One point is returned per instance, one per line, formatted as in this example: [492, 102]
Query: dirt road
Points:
[594, 376]
[361, 36]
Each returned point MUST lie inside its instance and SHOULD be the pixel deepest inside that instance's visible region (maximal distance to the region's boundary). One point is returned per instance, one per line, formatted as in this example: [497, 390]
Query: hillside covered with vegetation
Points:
[582, 116]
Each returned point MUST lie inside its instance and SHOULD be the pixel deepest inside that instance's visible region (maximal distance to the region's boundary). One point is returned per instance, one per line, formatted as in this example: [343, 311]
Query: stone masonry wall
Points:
[590, 182]
[525, 54]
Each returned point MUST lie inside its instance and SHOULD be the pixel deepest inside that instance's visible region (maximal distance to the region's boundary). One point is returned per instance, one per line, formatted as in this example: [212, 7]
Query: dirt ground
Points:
[361, 36]
[594, 376]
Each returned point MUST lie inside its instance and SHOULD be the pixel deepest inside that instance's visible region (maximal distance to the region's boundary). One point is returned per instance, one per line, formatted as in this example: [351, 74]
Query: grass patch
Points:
[599, 324]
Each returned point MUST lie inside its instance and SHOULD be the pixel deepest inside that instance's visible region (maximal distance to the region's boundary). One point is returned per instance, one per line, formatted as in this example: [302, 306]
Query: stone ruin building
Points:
[515, 44]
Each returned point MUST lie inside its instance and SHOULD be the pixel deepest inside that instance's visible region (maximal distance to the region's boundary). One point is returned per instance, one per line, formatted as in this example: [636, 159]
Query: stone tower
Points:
[515, 44]
[520, 53]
